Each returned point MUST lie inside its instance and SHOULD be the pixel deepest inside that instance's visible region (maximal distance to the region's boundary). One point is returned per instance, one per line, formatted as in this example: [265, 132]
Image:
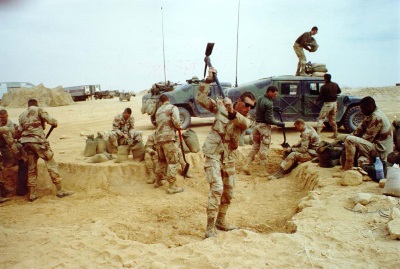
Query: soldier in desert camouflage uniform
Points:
[167, 122]
[123, 132]
[372, 138]
[30, 129]
[301, 152]
[328, 95]
[220, 151]
[7, 128]
[262, 129]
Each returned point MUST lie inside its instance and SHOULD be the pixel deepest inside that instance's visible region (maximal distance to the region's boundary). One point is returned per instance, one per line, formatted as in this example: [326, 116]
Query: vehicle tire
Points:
[153, 119]
[353, 118]
[128, 99]
[185, 117]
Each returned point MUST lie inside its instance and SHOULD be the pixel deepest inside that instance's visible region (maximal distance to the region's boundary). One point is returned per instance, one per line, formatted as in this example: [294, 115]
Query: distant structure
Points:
[5, 86]
[82, 92]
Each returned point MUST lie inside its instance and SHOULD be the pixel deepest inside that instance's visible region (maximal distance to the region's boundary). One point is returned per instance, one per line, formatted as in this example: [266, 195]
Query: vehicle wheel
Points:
[153, 119]
[128, 99]
[353, 118]
[185, 117]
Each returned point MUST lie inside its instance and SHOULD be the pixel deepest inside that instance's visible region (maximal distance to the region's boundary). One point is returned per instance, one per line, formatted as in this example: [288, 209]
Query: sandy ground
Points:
[116, 220]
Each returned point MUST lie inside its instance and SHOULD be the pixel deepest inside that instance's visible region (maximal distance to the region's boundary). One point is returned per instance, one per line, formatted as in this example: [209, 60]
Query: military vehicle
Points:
[184, 97]
[125, 96]
[297, 96]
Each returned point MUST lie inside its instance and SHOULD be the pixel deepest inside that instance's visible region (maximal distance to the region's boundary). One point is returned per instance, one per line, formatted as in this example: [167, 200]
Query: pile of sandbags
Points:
[316, 69]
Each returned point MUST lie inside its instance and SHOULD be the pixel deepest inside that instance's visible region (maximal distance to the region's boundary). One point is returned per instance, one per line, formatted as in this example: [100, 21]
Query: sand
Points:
[116, 220]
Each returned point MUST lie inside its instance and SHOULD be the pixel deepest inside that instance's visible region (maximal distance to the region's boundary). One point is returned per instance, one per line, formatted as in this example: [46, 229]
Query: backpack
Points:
[328, 155]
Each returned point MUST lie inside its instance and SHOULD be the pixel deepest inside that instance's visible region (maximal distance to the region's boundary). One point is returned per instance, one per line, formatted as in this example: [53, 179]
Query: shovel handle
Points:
[208, 63]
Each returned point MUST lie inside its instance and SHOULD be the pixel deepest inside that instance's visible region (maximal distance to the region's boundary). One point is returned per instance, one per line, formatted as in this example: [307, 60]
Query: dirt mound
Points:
[46, 97]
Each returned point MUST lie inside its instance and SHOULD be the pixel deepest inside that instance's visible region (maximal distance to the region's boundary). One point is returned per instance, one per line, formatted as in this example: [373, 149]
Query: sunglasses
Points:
[249, 105]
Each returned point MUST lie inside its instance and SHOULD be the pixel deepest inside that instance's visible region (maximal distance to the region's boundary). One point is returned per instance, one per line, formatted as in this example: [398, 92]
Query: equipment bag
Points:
[191, 140]
[392, 185]
[370, 169]
[328, 155]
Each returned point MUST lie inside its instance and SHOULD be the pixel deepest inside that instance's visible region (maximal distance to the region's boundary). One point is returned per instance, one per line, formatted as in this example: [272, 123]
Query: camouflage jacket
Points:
[31, 124]
[150, 143]
[167, 119]
[7, 133]
[309, 140]
[376, 129]
[225, 133]
[122, 126]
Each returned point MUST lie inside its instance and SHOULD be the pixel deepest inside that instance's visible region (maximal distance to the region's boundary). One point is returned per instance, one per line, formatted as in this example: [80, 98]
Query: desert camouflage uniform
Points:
[304, 150]
[168, 121]
[301, 42]
[120, 127]
[7, 142]
[262, 129]
[220, 152]
[35, 143]
[372, 138]
[151, 157]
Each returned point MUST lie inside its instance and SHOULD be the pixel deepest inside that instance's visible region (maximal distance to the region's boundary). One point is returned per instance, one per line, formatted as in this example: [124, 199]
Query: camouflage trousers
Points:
[294, 158]
[328, 110]
[221, 178]
[151, 161]
[43, 151]
[261, 141]
[117, 140]
[302, 58]
[365, 150]
[168, 161]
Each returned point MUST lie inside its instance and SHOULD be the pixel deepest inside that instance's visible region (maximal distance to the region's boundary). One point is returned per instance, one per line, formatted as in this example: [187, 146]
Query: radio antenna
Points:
[237, 44]
[162, 28]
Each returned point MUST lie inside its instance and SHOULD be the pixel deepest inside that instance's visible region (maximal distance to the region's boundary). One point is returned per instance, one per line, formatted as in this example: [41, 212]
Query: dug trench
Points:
[117, 198]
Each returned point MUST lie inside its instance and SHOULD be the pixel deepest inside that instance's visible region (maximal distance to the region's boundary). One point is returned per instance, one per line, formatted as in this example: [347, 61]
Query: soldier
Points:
[151, 157]
[305, 41]
[30, 129]
[372, 138]
[301, 152]
[7, 142]
[328, 95]
[262, 129]
[167, 122]
[123, 132]
[220, 150]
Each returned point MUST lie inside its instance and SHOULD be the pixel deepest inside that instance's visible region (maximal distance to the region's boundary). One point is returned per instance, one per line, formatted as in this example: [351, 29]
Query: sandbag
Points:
[98, 158]
[318, 74]
[392, 185]
[313, 46]
[90, 148]
[138, 152]
[320, 69]
[122, 154]
[191, 140]
[317, 64]
[185, 147]
[101, 144]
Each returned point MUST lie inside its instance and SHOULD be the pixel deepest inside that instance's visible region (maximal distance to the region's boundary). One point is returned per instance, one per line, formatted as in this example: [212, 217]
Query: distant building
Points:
[5, 86]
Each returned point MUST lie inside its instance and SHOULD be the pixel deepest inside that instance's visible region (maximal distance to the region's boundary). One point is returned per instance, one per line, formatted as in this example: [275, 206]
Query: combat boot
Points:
[159, 183]
[210, 230]
[221, 223]
[279, 174]
[32, 194]
[61, 192]
[4, 191]
[152, 177]
[172, 189]
[246, 166]
[348, 165]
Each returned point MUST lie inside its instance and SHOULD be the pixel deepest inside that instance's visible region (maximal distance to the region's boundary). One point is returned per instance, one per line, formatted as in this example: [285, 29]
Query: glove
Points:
[281, 124]
[211, 72]
[288, 150]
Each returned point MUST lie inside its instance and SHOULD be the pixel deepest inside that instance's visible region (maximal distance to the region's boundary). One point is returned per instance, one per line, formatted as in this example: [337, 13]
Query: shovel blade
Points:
[185, 170]
[285, 145]
[209, 48]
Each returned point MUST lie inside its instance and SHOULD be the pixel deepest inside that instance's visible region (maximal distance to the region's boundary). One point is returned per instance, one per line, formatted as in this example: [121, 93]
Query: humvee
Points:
[124, 96]
[296, 99]
[184, 97]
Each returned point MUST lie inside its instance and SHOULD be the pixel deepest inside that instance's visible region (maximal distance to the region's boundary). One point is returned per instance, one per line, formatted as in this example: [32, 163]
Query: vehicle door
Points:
[311, 91]
[288, 99]
[197, 108]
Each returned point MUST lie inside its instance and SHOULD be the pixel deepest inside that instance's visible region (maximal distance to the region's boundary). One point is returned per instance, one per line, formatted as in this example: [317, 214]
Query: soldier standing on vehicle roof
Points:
[30, 129]
[262, 129]
[303, 42]
[220, 150]
[328, 95]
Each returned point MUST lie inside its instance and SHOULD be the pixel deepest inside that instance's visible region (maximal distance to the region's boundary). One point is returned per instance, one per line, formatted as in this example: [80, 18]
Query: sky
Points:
[122, 44]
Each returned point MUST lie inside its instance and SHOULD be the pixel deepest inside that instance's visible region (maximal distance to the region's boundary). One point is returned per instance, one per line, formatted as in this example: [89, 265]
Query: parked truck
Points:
[82, 92]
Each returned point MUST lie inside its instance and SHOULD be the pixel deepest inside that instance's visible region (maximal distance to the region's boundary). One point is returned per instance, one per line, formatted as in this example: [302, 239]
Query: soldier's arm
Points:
[303, 147]
[175, 118]
[306, 40]
[203, 99]
[47, 118]
[373, 130]
[240, 121]
[115, 126]
[359, 131]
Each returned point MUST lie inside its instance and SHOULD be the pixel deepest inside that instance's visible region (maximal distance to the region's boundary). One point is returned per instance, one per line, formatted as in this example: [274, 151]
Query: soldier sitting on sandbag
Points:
[123, 132]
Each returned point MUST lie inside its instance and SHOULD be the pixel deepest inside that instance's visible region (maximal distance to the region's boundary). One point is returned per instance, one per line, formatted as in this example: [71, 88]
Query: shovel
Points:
[284, 144]
[207, 61]
[48, 134]
[186, 169]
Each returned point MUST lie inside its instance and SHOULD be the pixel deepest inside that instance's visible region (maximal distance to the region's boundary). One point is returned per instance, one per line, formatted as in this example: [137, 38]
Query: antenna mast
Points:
[162, 28]
[237, 44]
